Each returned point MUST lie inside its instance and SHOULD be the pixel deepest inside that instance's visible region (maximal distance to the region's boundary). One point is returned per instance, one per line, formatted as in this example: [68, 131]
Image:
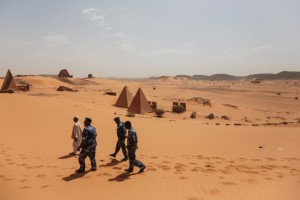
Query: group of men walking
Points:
[86, 142]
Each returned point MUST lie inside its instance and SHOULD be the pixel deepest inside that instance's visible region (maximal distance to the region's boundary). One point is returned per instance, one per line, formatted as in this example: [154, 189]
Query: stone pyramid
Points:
[64, 73]
[9, 82]
[139, 104]
[124, 99]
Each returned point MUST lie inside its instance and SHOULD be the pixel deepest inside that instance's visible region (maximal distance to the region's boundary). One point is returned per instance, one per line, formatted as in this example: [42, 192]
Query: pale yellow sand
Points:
[186, 159]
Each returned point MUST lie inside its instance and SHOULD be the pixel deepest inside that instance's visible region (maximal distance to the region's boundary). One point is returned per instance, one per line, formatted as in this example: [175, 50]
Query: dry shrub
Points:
[159, 112]
[130, 114]
[178, 109]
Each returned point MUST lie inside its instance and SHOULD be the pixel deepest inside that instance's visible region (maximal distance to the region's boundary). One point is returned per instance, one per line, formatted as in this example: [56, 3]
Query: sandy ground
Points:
[190, 159]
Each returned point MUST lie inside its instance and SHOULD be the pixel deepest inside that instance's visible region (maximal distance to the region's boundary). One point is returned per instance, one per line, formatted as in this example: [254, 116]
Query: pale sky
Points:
[139, 38]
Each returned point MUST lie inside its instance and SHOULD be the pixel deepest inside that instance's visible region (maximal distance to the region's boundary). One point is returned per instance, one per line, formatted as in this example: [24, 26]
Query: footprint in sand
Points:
[166, 162]
[23, 180]
[252, 181]
[104, 174]
[196, 169]
[8, 179]
[154, 157]
[164, 167]
[117, 168]
[183, 177]
[24, 187]
[212, 192]
[228, 183]
[44, 186]
[151, 169]
[41, 175]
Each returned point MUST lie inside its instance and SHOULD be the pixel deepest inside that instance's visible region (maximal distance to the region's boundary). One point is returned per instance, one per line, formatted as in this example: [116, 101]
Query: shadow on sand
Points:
[112, 163]
[122, 177]
[66, 156]
[75, 176]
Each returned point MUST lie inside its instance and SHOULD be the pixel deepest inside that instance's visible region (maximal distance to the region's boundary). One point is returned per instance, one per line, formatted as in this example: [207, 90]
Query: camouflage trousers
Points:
[121, 145]
[132, 159]
[91, 153]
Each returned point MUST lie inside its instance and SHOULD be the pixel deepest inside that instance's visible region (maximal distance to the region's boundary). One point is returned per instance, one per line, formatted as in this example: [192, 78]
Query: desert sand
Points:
[188, 159]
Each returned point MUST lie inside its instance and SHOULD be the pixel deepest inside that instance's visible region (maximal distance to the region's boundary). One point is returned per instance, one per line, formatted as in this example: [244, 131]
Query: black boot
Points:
[80, 170]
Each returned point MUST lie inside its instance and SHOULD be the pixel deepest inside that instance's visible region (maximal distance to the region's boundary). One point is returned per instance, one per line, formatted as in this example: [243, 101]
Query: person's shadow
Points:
[75, 176]
[122, 177]
[66, 156]
[112, 163]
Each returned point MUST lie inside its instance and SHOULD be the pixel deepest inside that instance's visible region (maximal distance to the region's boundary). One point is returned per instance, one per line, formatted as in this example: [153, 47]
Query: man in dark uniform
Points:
[121, 133]
[88, 146]
[132, 141]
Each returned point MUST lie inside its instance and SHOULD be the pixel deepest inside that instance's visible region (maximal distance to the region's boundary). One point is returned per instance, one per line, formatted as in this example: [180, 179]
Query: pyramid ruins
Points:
[64, 73]
[9, 83]
[124, 99]
[139, 104]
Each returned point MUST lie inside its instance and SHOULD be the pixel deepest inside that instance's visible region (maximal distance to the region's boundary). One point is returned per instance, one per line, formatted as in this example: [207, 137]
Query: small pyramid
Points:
[124, 99]
[139, 104]
[64, 73]
[9, 82]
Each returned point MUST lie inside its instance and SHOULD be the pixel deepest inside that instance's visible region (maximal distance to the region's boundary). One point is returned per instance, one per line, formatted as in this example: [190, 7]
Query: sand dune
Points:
[190, 159]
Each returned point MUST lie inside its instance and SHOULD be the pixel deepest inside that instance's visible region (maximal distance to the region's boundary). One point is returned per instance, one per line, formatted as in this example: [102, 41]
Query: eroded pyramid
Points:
[9, 82]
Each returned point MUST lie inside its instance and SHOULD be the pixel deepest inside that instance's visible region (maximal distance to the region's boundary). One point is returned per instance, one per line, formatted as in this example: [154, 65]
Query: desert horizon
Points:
[242, 144]
[149, 100]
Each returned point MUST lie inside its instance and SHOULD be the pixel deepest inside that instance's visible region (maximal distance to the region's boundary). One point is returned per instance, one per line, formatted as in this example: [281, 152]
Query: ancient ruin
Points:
[139, 104]
[124, 99]
[63, 88]
[64, 74]
[9, 85]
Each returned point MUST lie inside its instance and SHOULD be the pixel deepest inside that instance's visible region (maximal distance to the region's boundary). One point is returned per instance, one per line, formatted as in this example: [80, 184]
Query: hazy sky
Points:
[139, 38]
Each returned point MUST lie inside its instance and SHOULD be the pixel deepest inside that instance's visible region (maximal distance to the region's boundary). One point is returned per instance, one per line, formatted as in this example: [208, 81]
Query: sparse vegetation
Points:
[130, 114]
[194, 115]
[210, 116]
[178, 109]
[159, 112]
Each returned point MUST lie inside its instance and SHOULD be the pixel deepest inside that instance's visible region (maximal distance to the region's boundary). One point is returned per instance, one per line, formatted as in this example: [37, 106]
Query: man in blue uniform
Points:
[132, 141]
[88, 146]
[121, 133]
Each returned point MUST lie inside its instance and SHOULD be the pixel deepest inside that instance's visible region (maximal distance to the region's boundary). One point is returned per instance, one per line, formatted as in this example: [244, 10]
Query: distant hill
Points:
[284, 75]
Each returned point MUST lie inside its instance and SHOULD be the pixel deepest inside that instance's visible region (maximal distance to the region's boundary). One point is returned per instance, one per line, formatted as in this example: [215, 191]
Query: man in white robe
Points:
[76, 135]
